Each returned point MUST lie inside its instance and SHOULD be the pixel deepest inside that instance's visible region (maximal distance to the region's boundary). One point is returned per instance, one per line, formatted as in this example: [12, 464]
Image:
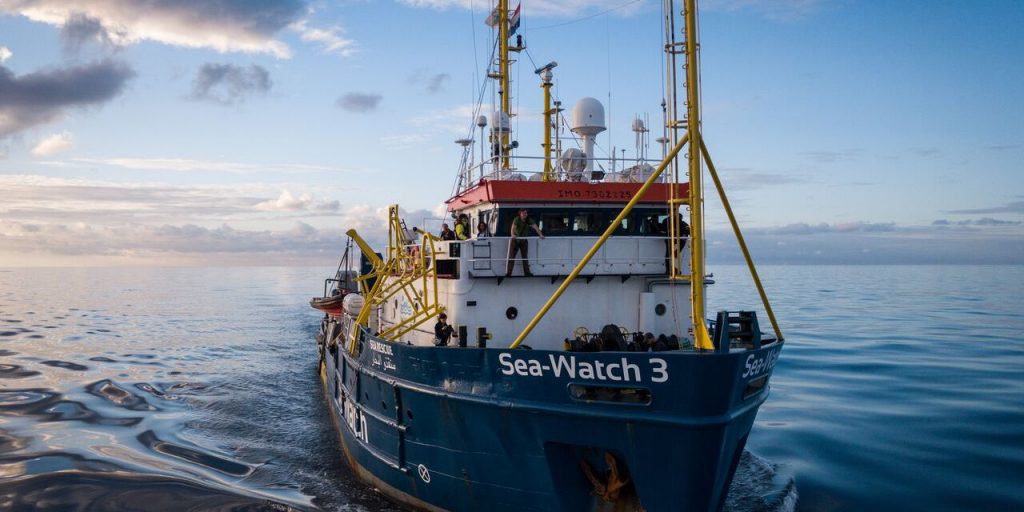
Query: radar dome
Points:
[499, 121]
[588, 117]
[573, 162]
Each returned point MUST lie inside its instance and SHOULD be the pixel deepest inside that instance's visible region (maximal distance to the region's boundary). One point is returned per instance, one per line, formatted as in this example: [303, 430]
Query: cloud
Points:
[749, 179]
[5, 53]
[981, 241]
[358, 102]
[42, 199]
[56, 143]
[329, 39]
[287, 202]
[223, 25]
[984, 221]
[1014, 207]
[431, 82]
[80, 30]
[328, 206]
[75, 222]
[453, 120]
[803, 228]
[831, 157]
[143, 244]
[191, 165]
[989, 221]
[44, 96]
[228, 84]
[993, 147]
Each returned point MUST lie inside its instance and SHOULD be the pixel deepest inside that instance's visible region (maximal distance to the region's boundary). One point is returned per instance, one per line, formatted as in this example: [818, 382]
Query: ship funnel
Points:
[587, 122]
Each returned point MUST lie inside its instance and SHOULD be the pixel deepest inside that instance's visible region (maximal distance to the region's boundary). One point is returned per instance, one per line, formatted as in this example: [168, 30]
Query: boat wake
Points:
[761, 486]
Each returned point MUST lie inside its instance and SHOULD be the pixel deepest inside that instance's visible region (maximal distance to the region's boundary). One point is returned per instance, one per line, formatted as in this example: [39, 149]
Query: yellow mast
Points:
[548, 112]
[694, 172]
[505, 90]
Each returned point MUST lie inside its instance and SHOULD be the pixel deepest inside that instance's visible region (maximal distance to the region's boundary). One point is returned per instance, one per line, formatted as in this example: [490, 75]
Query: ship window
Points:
[653, 224]
[569, 221]
[554, 223]
[588, 223]
[624, 226]
[448, 269]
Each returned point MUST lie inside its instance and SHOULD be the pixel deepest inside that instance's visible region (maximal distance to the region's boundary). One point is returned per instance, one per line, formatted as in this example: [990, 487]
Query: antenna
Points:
[547, 67]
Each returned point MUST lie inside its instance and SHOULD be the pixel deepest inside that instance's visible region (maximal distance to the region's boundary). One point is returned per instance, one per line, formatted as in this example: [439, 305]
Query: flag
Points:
[514, 22]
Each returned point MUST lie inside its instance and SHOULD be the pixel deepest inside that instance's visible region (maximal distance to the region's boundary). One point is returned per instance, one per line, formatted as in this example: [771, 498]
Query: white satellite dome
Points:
[499, 121]
[573, 161]
[588, 117]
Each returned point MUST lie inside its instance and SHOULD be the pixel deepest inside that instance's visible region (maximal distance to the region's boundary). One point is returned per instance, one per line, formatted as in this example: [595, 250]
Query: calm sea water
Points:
[900, 388]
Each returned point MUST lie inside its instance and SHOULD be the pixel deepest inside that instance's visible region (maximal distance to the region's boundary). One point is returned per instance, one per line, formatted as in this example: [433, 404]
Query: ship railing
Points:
[623, 170]
[553, 256]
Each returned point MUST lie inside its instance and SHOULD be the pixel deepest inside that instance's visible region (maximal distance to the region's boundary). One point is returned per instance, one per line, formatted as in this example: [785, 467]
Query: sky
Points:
[255, 132]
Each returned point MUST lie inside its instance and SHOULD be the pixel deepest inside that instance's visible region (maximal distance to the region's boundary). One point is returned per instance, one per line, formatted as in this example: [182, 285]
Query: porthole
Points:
[660, 310]
[511, 313]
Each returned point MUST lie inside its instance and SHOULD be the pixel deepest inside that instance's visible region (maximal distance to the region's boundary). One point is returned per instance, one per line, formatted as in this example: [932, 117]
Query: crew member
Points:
[684, 235]
[446, 232]
[462, 227]
[482, 231]
[442, 331]
[521, 226]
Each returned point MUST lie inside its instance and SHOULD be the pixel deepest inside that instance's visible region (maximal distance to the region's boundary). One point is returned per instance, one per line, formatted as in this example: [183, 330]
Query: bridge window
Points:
[569, 221]
[554, 223]
[588, 223]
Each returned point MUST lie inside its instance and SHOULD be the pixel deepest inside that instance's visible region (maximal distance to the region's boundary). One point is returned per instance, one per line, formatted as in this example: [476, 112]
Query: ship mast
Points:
[502, 18]
[697, 149]
[505, 91]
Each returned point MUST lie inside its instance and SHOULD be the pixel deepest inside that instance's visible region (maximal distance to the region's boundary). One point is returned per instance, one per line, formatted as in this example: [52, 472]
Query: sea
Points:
[899, 388]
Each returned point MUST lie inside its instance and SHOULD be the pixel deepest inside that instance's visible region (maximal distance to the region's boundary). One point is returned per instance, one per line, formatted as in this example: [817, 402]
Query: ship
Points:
[553, 352]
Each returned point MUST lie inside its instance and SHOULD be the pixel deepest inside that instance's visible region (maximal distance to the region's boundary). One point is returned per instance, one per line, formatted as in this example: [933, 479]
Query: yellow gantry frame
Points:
[702, 340]
[396, 275]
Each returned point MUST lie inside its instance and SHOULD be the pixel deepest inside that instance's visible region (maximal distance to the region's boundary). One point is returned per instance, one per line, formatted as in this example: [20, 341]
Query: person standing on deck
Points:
[442, 331]
[521, 226]
[462, 227]
[446, 233]
[482, 231]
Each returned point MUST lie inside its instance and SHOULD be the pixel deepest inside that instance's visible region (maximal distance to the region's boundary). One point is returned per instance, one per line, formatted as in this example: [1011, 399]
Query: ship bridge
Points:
[570, 215]
[626, 283]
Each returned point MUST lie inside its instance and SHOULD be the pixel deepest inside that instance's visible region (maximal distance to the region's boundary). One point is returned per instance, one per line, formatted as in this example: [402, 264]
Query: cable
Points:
[577, 20]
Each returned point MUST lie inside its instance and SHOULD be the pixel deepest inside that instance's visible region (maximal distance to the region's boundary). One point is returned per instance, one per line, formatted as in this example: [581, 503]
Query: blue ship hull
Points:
[466, 429]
